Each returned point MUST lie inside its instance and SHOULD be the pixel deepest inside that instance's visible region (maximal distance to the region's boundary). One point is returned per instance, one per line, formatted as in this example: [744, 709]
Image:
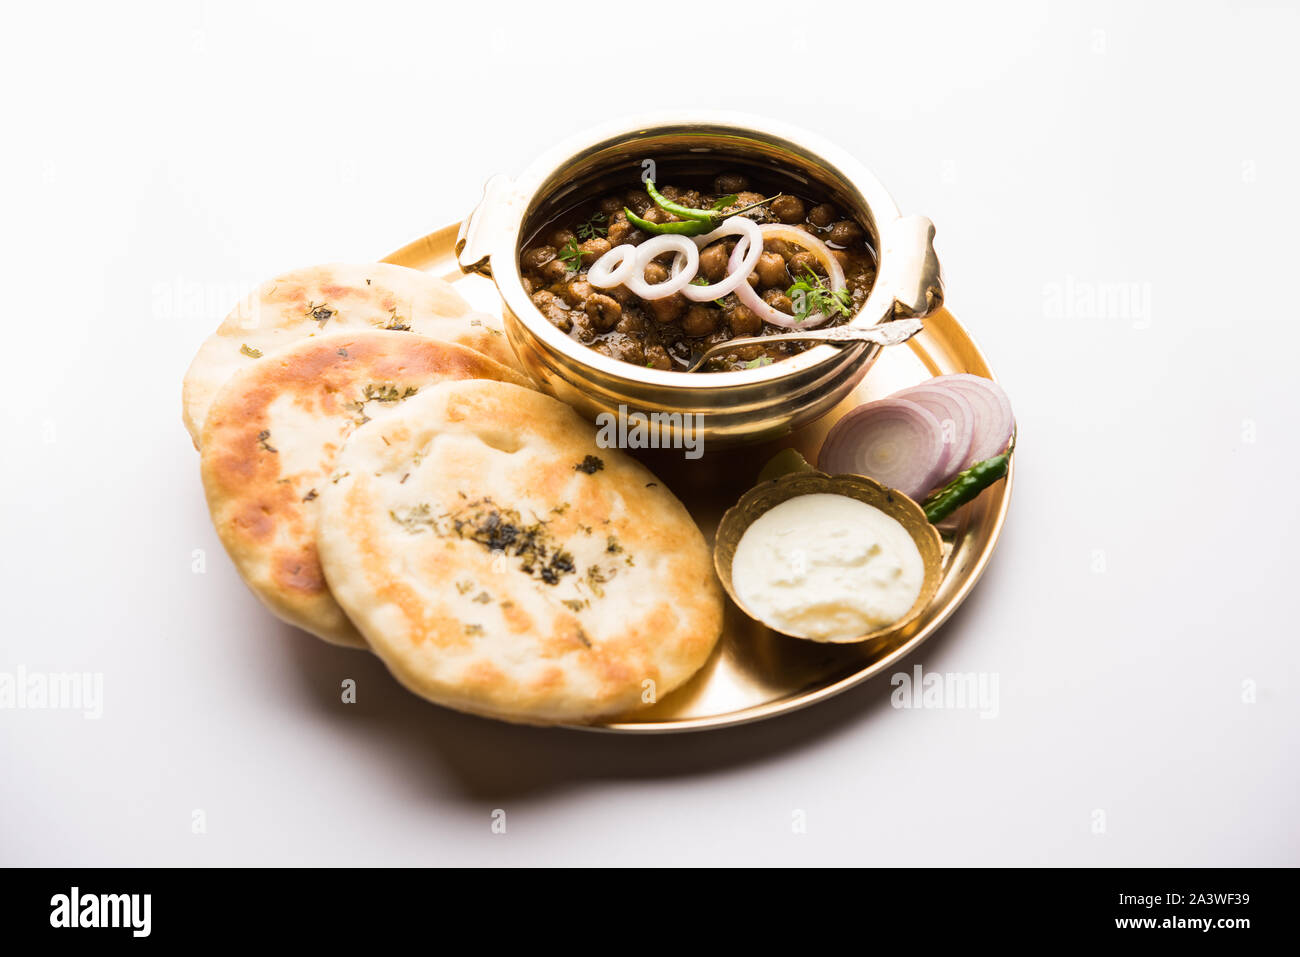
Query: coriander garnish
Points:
[321, 313]
[571, 255]
[811, 295]
[594, 227]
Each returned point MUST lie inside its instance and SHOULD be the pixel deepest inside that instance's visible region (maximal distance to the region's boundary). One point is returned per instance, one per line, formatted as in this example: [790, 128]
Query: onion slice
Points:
[682, 272]
[956, 420]
[746, 294]
[994, 421]
[738, 267]
[613, 268]
[896, 442]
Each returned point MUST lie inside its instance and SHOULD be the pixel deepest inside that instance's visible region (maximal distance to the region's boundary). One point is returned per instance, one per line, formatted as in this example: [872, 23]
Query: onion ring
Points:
[746, 294]
[738, 270]
[613, 268]
[681, 275]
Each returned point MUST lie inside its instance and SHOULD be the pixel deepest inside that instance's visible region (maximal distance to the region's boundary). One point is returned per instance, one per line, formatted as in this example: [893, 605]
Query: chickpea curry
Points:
[654, 276]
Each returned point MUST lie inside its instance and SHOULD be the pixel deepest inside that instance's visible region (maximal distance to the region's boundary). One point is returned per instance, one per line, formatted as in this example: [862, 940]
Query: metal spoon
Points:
[886, 334]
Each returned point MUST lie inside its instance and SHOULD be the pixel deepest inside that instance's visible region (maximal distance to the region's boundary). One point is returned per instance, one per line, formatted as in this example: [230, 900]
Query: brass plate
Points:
[756, 673]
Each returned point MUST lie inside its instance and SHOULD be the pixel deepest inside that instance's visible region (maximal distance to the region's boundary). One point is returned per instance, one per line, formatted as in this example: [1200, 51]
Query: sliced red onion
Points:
[613, 268]
[896, 442]
[994, 421]
[746, 294]
[956, 420]
[738, 267]
[682, 273]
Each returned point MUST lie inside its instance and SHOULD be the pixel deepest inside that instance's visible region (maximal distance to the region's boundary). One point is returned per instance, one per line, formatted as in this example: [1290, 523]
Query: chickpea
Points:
[594, 248]
[780, 247]
[527, 284]
[742, 321]
[577, 291]
[555, 270]
[542, 298]
[746, 198]
[843, 258]
[845, 233]
[559, 238]
[822, 216]
[537, 257]
[670, 193]
[621, 232]
[771, 270]
[728, 183]
[700, 320]
[655, 215]
[637, 201]
[611, 205]
[778, 300]
[627, 349]
[632, 324]
[583, 328]
[655, 273]
[788, 209]
[668, 309]
[713, 262]
[689, 197]
[624, 296]
[558, 316]
[604, 312]
[656, 357]
[752, 279]
[806, 262]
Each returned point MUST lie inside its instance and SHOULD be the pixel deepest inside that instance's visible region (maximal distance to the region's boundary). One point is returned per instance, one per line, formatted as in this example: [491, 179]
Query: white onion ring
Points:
[613, 268]
[746, 294]
[681, 275]
[738, 268]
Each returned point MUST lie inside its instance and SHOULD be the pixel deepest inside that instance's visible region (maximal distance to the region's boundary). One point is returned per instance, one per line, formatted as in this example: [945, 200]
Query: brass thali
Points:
[755, 673]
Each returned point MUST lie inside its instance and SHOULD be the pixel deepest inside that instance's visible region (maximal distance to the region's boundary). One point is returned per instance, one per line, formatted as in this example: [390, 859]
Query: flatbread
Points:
[323, 300]
[269, 445]
[500, 563]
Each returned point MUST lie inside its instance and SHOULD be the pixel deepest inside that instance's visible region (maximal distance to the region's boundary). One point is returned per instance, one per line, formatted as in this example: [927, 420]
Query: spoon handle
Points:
[886, 334]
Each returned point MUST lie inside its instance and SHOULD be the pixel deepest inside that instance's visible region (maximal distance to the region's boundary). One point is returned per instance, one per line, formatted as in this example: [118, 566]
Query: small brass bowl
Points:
[892, 502]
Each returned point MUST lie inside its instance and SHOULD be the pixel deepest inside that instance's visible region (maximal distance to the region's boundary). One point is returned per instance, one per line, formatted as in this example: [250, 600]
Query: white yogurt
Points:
[827, 567]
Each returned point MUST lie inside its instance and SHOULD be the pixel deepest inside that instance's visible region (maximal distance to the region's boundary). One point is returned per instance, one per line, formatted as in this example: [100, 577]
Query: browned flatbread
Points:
[269, 445]
[324, 300]
[501, 563]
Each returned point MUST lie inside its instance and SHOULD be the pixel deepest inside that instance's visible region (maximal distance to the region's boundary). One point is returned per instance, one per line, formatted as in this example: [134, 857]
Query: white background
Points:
[161, 159]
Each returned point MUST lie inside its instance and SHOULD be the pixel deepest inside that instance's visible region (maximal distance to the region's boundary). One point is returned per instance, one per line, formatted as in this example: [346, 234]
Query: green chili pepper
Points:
[689, 227]
[682, 212]
[694, 222]
[966, 486]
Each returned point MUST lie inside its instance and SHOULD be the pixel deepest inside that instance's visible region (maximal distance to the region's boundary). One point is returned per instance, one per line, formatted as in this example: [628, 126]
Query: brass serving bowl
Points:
[893, 503]
[739, 406]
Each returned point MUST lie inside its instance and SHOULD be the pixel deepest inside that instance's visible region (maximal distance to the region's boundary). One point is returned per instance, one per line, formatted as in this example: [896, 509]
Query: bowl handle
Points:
[915, 278]
[478, 233]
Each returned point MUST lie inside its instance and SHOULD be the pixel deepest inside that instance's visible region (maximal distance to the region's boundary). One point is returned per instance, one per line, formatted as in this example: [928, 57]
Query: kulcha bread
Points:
[499, 562]
[269, 444]
[322, 300]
